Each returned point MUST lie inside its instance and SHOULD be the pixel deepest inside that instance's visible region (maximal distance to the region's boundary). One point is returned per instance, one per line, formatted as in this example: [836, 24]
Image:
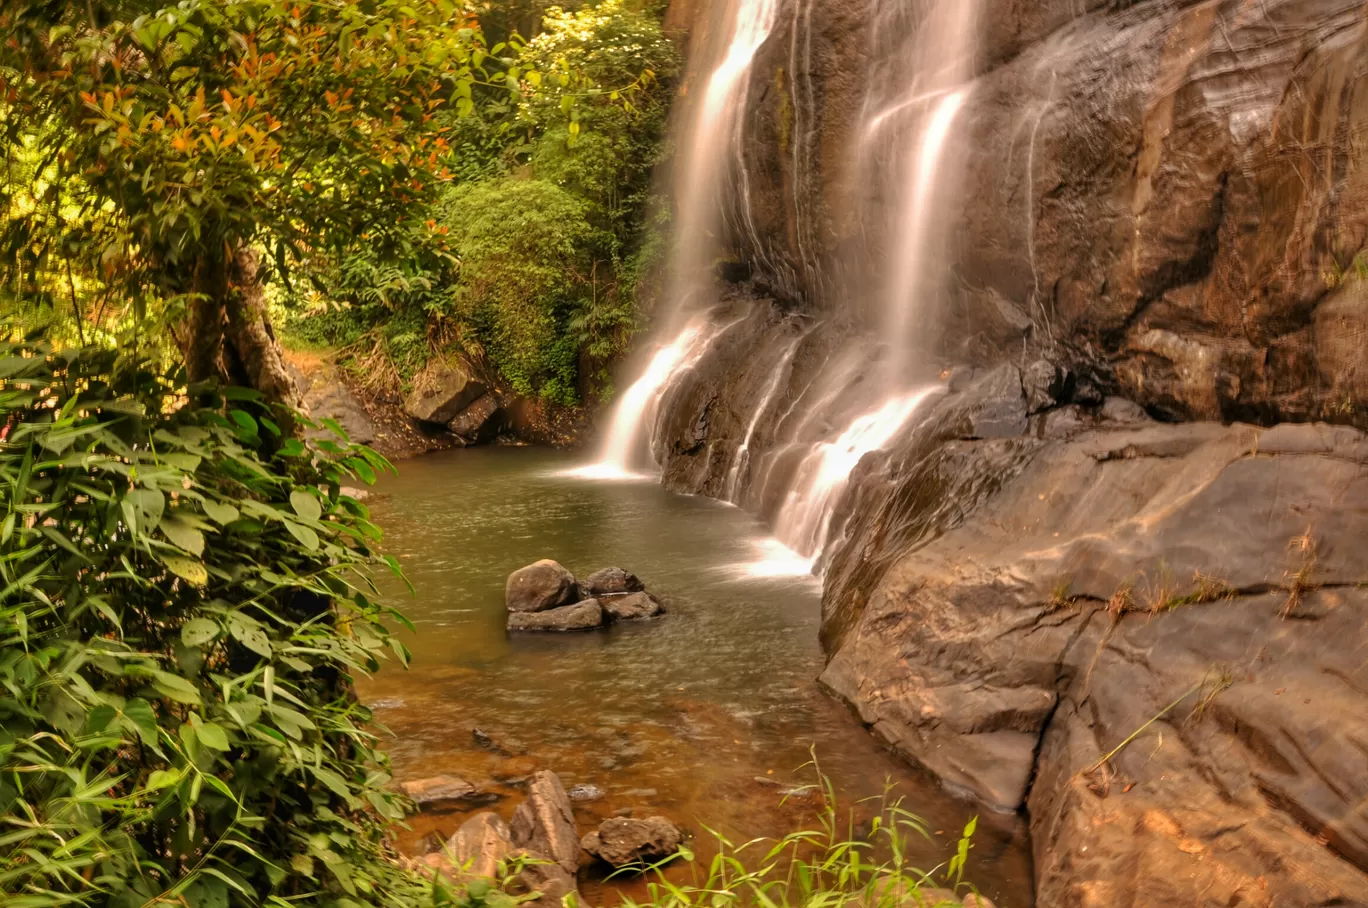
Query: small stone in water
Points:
[584, 792]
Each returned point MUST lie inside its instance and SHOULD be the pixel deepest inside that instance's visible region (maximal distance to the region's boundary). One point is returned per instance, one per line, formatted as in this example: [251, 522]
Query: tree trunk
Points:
[227, 334]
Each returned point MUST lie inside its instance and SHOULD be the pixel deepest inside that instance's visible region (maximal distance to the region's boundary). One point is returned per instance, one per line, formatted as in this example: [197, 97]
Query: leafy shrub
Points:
[525, 251]
[545, 215]
[182, 607]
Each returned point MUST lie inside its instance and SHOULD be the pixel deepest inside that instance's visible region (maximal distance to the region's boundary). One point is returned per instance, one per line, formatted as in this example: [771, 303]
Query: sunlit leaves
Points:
[173, 654]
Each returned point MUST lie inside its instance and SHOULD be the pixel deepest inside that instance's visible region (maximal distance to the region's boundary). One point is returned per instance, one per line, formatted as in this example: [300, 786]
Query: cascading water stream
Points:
[944, 42]
[640, 405]
[742, 457]
[713, 130]
[906, 152]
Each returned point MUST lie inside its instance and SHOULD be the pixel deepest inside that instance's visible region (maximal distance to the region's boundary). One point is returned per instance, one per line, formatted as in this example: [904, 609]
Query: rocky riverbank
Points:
[450, 405]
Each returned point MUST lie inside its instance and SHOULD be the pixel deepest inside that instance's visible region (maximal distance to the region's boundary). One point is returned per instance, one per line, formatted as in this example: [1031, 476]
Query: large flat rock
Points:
[1200, 587]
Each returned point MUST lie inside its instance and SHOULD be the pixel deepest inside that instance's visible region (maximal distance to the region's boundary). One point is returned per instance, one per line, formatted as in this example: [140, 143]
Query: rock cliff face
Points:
[1198, 587]
[1173, 192]
[1148, 634]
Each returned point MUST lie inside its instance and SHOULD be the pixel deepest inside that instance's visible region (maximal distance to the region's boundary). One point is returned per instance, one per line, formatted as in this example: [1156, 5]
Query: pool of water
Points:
[707, 715]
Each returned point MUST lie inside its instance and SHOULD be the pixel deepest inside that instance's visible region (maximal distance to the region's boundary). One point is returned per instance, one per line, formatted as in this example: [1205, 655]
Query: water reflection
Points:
[705, 715]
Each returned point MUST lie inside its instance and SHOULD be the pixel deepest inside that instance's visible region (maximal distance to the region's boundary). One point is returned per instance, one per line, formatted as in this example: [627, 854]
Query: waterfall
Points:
[713, 131]
[905, 160]
[919, 123]
[742, 458]
[639, 407]
[804, 523]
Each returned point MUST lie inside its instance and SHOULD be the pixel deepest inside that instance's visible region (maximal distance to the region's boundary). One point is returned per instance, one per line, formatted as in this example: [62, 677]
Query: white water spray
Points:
[742, 457]
[640, 406]
[713, 128]
[804, 524]
[921, 183]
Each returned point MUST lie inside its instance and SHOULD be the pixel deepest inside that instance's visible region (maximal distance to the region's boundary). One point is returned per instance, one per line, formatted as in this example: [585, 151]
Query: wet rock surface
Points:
[478, 423]
[438, 788]
[610, 581]
[582, 616]
[482, 842]
[1194, 583]
[632, 606]
[544, 823]
[625, 841]
[1173, 190]
[546, 597]
[540, 586]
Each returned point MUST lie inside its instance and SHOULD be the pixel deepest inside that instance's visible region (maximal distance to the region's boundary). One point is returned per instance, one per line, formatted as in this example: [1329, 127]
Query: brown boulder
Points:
[441, 391]
[624, 841]
[544, 824]
[610, 582]
[478, 423]
[582, 616]
[632, 606]
[437, 788]
[1200, 585]
[482, 842]
[542, 585]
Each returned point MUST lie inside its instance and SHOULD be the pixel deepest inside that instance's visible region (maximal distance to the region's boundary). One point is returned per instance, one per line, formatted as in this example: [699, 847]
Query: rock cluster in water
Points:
[542, 832]
[544, 596]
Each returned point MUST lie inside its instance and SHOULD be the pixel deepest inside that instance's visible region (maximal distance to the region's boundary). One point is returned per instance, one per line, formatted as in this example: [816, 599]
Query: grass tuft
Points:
[827, 866]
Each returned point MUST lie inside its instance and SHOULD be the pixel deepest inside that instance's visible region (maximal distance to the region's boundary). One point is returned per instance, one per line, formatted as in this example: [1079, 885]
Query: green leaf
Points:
[213, 736]
[182, 534]
[186, 568]
[220, 512]
[335, 783]
[335, 427]
[199, 631]
[248, 631]
[150, 504]
[139, 712]
[174, 687]
[162, 778]
[307, 537]
[305, 505]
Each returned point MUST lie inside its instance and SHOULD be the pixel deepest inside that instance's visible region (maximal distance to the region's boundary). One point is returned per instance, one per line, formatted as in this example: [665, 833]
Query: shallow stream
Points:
[707, 715]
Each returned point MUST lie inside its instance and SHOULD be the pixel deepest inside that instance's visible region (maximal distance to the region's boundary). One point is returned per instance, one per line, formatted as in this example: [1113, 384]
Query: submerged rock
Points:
[632, 606]
[584, 792]
[582, 616]
[611, 581]
[542, 585]
[544, 824]
[623, 841]
[438, 788]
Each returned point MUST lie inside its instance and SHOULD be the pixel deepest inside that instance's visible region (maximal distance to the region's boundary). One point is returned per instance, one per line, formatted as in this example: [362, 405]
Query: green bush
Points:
[533, 260]
[183, 604]
[526, 255]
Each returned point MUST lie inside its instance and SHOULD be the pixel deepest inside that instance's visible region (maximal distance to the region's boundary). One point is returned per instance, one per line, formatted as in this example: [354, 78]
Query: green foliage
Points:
[180, 618]
[532, 260]
[524, 248]
[151, 142]
[826, 866]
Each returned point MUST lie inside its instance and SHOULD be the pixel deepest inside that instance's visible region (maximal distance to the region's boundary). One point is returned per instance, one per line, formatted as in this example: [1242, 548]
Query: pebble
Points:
[584, 792]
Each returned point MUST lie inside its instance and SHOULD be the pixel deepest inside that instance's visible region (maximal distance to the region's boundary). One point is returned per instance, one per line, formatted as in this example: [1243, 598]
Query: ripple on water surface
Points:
[694, 714]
